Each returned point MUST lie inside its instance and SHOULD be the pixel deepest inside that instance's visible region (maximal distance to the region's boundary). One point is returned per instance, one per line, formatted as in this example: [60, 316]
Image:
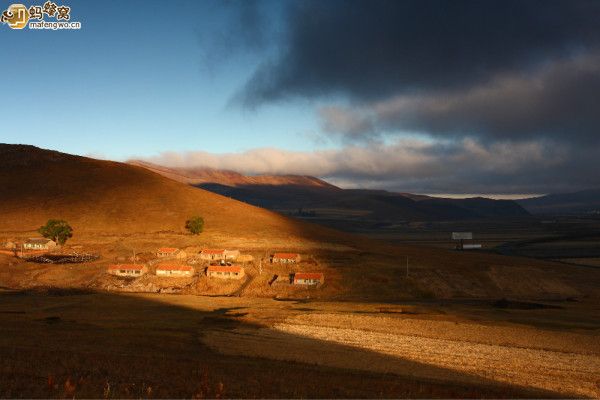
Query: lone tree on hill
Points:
[57, 230]
[195, 225]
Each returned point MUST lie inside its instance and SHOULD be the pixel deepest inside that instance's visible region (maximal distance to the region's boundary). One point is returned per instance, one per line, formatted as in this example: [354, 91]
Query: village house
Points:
[285, 258]
[174, 270]
[127, 269]
[39, 244]
[219, 254]
[225, 271]
[212, 254]
[308, 278]
[171, 252]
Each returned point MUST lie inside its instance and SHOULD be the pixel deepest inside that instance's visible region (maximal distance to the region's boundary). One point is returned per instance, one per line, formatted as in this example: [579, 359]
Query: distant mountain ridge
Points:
[581, 202]
[302, 194]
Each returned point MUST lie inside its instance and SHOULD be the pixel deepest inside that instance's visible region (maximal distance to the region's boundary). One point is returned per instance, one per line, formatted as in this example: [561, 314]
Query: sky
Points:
[424, 96]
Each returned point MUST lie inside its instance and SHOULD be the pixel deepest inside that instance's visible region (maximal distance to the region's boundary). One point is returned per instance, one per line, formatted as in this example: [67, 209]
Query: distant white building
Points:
[471, 246]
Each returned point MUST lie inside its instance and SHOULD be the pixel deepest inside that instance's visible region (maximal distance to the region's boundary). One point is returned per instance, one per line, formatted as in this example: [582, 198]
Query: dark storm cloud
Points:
[560, 100]
[375, 49]
[232, 27]
[505, 92]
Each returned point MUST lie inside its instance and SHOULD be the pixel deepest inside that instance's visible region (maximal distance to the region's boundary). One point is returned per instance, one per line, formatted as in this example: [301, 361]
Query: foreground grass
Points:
[108, 346]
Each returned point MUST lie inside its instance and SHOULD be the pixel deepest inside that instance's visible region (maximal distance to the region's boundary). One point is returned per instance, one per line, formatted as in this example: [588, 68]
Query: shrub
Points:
[195, 225]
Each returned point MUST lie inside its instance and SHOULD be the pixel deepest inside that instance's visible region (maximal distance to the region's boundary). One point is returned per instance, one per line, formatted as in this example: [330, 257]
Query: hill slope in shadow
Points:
[292, 192]
[582, 202]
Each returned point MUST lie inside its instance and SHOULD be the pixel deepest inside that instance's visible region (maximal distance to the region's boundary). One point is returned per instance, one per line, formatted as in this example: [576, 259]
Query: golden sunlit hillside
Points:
[99, 197]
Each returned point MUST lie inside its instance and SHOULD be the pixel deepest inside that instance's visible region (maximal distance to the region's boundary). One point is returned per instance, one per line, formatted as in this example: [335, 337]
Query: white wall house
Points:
[133, 270]
[39, 244]
[225, 271]
[174, 270]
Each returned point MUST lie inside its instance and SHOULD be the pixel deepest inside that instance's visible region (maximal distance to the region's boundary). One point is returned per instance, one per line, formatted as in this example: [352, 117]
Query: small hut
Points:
[171, 252]
[134, 270]
[39, 244]
[212, 254]
[174, 270]
[308, 278]
[225, 271]
[285, 258]
[219, 254]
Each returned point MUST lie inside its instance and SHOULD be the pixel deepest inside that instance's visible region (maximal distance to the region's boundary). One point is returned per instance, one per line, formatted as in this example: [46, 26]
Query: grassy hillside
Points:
[99, 197]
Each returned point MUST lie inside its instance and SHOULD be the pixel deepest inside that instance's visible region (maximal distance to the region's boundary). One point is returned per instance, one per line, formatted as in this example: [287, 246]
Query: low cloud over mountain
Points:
[464, 166]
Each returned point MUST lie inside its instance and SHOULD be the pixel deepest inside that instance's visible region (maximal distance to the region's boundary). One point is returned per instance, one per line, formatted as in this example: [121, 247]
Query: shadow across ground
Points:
[127, 346]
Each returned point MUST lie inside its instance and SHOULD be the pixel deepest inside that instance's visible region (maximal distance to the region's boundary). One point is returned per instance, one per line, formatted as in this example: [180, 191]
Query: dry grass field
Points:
[65, 343]
[572, 373]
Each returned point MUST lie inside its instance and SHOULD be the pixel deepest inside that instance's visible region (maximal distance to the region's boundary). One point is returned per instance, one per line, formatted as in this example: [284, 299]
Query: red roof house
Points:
[170, 252]
[212, 254]
[225, 271]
